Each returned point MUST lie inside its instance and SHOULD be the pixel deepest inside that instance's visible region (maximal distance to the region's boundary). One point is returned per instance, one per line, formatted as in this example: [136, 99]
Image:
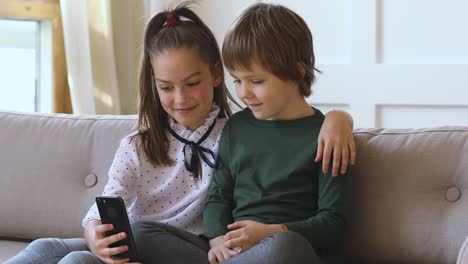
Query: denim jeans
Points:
[279, 248]
[55, 250]
[161, 243]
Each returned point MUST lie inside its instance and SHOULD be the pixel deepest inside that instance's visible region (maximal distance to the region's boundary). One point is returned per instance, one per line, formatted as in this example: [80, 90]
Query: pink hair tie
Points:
[170, 21]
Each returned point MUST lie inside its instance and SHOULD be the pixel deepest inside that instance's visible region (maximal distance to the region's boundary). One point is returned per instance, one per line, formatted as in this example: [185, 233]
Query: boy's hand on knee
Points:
[218, 252]
[247, 234]
[336, 137]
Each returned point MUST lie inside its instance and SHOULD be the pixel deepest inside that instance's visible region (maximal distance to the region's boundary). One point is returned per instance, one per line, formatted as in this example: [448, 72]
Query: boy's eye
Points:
[236, 81]
[257, 81]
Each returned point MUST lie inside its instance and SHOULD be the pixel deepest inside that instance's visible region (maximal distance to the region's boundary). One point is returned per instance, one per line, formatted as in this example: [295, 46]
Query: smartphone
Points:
[112, 211]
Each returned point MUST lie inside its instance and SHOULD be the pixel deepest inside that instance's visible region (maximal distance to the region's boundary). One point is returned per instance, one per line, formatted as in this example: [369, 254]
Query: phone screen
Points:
[112, 211]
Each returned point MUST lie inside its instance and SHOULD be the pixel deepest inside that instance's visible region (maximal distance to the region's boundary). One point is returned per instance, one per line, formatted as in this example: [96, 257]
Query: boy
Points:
[268, 201]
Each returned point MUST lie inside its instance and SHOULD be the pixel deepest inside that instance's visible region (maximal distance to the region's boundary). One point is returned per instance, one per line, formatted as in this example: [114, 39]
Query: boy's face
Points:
[269, 97]
[185, 85]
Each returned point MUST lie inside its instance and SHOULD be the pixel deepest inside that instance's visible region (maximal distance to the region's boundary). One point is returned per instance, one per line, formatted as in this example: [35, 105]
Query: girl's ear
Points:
[301, 68]
[217, 74]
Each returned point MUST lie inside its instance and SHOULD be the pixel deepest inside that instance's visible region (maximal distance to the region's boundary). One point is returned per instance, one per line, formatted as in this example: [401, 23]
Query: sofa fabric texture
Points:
[409, 195]
[48, 167]
[410, 186]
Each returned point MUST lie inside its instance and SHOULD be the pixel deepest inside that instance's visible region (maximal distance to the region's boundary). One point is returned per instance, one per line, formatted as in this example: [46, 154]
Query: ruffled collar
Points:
[195, 135]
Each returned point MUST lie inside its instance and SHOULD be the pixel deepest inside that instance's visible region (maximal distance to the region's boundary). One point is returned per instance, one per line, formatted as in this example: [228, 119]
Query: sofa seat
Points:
[9, 248]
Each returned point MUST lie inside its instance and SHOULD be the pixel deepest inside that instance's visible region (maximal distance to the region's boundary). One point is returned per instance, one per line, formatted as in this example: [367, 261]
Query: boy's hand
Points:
[98, 243]
[218, 252]
[336, 136]
[247, 234]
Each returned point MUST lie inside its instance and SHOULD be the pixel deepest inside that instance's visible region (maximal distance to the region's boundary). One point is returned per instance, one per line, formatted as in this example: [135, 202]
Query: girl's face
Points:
[185, 85]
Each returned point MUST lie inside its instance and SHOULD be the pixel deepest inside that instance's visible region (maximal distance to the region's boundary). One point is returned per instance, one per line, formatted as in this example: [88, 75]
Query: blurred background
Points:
[389, 63]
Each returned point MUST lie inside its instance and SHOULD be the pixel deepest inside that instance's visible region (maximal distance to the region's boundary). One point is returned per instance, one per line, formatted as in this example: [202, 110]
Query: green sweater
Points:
[267, 174]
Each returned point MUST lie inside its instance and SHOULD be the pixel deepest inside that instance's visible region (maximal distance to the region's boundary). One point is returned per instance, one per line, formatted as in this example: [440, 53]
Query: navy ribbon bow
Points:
[197, 152]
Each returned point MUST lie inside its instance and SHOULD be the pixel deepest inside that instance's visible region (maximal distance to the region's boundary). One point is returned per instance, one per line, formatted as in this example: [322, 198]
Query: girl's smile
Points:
[185, 110]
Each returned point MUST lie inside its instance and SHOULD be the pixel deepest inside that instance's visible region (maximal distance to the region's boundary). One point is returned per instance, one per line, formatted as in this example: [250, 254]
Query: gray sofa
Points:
[409, 203]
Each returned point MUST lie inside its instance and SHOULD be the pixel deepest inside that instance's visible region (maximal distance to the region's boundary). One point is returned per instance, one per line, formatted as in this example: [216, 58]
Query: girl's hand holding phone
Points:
[98, 243]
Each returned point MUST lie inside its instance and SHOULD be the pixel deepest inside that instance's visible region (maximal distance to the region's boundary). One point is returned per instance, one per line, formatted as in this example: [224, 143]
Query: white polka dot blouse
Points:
[165, 194]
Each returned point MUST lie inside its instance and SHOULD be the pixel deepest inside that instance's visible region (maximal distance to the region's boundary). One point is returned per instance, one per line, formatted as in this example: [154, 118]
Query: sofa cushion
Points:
[410, 190]
[45, 163]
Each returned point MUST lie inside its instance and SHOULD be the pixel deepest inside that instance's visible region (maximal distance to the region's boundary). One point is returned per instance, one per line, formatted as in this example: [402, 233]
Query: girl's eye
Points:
[257, 81]
[164, 88]
[193, 83]
[236, 81]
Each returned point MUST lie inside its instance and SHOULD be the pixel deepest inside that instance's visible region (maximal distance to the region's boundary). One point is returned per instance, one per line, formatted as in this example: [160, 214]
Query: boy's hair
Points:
[177, 28]
[277, 38]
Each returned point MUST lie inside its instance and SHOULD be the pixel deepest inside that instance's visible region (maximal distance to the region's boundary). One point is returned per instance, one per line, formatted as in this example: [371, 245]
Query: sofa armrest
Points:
[463, 253]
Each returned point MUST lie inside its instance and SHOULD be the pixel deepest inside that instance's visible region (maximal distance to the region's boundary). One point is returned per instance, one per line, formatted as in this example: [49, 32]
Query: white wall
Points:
[390, 63]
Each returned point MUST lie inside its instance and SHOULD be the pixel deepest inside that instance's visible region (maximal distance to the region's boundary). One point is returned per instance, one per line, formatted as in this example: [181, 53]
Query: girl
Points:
[162, 171]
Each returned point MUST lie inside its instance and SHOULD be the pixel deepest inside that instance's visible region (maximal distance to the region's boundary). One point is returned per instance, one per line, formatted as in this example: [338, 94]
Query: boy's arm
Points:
[336, 136]
[327, 227]
[217, 214]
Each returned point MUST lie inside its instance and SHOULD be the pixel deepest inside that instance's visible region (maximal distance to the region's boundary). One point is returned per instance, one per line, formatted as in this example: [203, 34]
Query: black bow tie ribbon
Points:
[197, 152]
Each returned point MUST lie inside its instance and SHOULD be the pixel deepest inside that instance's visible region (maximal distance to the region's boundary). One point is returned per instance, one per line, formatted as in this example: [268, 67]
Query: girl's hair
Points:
[278, 39]
[177, 28]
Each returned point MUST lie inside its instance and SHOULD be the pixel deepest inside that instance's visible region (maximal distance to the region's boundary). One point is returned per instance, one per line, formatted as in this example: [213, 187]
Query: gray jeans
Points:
[161, 243]
[55, 250]
[280, 248]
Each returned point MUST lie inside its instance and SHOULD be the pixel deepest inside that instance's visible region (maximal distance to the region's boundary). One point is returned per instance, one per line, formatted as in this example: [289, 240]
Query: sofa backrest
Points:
[51, 168]
[410, 196]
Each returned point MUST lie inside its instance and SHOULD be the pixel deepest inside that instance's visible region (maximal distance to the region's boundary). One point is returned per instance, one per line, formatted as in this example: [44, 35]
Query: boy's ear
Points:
[301, 69]
[217, 74]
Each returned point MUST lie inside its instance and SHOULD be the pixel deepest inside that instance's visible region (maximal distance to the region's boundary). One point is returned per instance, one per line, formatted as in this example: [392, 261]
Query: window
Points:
[25, 66]
[33, 75]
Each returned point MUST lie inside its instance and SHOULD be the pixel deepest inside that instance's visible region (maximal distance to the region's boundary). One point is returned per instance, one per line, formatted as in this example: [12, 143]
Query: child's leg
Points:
[80, 257]
[283, 247]
[156, 241]
[47, 250]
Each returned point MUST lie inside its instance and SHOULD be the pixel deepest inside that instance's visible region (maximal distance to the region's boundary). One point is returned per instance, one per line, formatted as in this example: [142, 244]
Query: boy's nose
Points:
[244, 91]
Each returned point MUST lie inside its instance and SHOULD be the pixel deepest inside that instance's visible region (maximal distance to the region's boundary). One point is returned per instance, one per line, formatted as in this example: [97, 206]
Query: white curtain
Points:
[89, 49]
